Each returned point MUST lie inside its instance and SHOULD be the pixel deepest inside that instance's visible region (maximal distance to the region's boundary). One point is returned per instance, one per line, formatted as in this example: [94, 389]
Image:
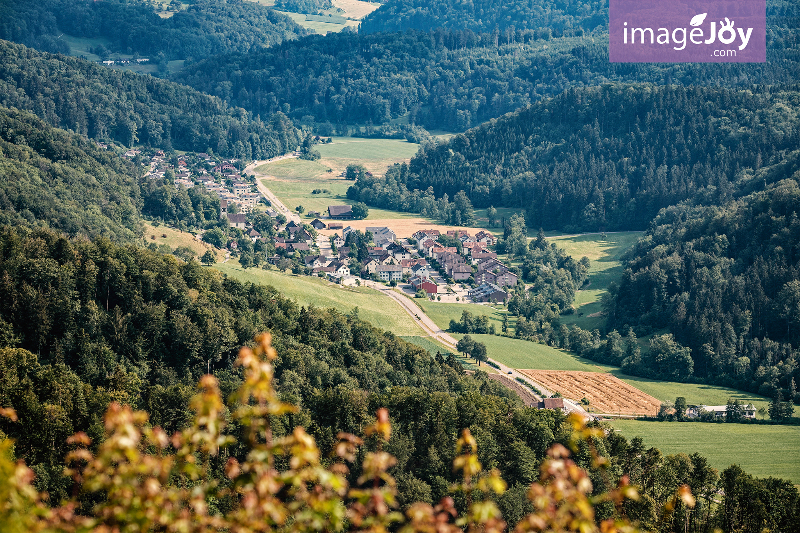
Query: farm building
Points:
[719, 411]
[318, 224]
[341, 212]
[425, 284]
[552, 403]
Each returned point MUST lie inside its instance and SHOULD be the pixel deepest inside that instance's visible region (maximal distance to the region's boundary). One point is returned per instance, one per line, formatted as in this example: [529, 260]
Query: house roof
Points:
[552, 403]
[338, 210]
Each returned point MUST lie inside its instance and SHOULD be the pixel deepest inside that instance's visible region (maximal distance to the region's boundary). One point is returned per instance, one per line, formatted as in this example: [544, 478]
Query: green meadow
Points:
[442, 313]
[761, 450]
[305, 290]
[293, 180]
[517, 353]
[605, 256]
[695, 394]
[360, 150]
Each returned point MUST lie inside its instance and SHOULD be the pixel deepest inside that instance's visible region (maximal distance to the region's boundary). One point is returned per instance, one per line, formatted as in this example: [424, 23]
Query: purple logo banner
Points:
[687, 31]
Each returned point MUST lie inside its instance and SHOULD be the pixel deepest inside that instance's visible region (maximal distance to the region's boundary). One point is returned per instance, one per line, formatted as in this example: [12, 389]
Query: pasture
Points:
[517, 353]
[355, 9]
[305, 290]
[605, 255]
[322, 28]
[695, 394]
[761, 450]
[442, 313]
[175, 238]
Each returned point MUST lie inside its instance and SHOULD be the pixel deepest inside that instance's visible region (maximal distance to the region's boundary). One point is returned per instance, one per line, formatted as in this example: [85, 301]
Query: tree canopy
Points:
[132, 109]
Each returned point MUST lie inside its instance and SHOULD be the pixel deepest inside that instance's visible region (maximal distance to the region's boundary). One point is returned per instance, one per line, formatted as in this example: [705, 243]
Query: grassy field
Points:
[530, 355]
[175, 238]
[293, 180]
[760, 450]
[605, 255]
[356, 9]
[378, 310]
[442, 313]
[295, 169]
[427, 343]
[321, 28]
[695, 394]
[359, 149]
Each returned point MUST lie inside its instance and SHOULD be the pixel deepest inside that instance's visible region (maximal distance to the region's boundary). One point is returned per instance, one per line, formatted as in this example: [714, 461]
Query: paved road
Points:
[430, 327]
[276, 204]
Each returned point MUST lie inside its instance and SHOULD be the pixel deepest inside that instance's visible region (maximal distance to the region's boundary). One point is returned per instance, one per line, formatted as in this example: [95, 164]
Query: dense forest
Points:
[106, 104]
[204, 29]
[110, 322]
[88, 323]
[304, 6]
[455, 79]
[601, 158]
[724, 280]
[555, 17]
[55, 179]
[60, 180]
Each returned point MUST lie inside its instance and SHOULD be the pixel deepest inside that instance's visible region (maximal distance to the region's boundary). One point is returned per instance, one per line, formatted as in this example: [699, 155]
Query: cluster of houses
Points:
[475, 261]
[201, 169]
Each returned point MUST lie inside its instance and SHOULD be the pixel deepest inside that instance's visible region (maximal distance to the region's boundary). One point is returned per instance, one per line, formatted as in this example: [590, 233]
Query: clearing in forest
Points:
[606, 393]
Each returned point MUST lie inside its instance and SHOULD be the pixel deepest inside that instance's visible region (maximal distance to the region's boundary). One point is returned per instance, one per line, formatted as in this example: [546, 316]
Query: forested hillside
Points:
[602, 158]
[550, 17]
[725, 280]
[106, 104]
[126, 324]
[205, 28]
[87, 323]
[51, 178]
[455, 79]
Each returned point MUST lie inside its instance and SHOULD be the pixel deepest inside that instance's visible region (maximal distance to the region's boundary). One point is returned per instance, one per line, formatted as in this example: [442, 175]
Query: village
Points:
[450, 267]
[453, 266]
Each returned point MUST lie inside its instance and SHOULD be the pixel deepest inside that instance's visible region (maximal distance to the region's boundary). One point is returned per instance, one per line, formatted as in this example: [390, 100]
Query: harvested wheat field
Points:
[403, 227]
[606, 393]
[355, 9]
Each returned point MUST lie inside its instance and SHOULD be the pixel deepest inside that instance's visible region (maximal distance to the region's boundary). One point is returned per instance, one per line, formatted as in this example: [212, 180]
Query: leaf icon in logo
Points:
[698, 19]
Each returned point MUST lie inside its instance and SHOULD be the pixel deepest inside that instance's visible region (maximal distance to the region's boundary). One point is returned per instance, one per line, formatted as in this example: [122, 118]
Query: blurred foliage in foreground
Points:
[141, 479]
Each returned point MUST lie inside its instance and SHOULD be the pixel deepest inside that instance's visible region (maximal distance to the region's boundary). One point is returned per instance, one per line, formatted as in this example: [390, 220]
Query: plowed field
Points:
[606, 393]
